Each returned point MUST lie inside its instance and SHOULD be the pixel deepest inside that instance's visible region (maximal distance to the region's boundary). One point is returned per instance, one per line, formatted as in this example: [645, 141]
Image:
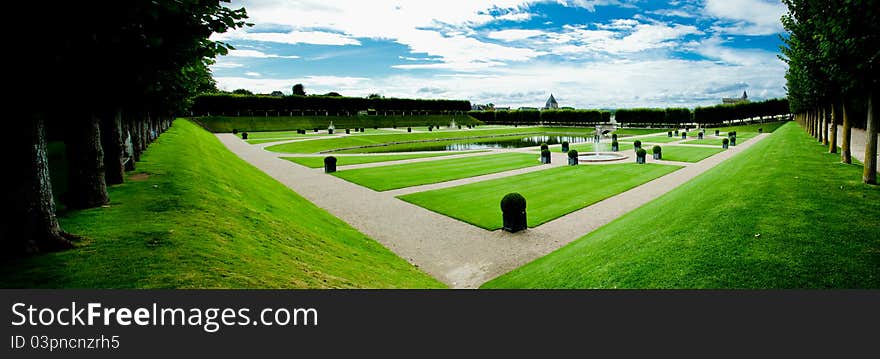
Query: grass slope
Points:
[318, 162]
[206, 219]
[782, 214]
[549, 194]
[415, 174]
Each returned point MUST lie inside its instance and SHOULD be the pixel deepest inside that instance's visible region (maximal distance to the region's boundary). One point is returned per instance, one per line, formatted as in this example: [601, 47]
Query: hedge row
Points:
[232, 104]
[722, 113]
[547, 117]
[288, 123]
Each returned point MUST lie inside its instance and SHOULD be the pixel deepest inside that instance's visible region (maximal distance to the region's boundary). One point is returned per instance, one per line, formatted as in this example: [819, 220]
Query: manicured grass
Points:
[782, 214]
[588, 147]
[637, 131]
[318, 162]
[653, 139]
[414, 174]
[197, 216]
[685, 153]
[426, 146]
[740, 138]
[354, 141]
[768, 127]
[549, 194]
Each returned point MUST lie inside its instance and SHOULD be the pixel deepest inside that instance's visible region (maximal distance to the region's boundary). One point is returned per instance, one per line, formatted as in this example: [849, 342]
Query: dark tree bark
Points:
[870, 173]
[825, 126]
[87, 184]
[113, 142]
[30, 225]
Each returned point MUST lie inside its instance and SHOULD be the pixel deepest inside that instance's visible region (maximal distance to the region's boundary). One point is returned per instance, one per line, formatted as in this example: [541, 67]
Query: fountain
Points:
[452, 124]
[598, 155]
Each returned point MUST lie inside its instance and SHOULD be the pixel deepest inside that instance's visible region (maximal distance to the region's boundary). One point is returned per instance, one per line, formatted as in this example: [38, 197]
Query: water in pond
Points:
[482, 144]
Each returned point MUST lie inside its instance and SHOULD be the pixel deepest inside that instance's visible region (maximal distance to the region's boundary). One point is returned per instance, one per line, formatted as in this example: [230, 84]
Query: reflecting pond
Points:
[482, 144]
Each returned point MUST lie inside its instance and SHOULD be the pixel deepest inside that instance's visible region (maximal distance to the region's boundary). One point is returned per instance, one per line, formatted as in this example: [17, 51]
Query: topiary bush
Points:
[329, 164]
[573, 158]
[513, 212]
[615, 146]
[244, 135]
[724, 143]
[613, 137]
[544, 146]
[234, 131]
[658, 155]
[545, 156]
[564, 146]
[669, 134]
[640, 155]
[637, 145]
[656, 149]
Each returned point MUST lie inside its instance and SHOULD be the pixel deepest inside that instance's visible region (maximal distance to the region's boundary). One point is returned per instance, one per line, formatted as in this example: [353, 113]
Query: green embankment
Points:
[549, 194]
[782, 214]
[197, 216]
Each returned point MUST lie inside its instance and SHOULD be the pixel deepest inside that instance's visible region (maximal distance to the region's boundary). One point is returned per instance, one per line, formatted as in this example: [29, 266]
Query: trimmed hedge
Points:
[718, 114]
[233, 104]
[546, 117]
[656, 149]
[572, 154]
[513, 203]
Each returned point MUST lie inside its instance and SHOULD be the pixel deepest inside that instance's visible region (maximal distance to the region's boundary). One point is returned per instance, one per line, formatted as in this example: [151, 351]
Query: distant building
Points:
[486, 107]
[730, 101]
[277, 94]
[551, 104]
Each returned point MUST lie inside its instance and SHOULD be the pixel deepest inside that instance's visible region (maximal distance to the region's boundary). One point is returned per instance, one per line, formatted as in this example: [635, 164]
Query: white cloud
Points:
[746, 17]
[253, 74]
[226, 65]
[257, 54]
[292, 37]
[514, 34]
[313, 84]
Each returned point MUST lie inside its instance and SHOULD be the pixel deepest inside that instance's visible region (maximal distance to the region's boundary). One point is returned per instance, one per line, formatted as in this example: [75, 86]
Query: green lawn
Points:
[414, 174]
[637, 131]
[354, 141]
[740, 138]
[685, 153]
[588, 147]
[549, 194]
[197, 216]
[782, 214]
[768, 127]
[653, 139]
[318, 162]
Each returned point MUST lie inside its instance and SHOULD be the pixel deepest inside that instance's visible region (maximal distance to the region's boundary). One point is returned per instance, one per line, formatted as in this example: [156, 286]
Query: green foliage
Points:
[544, 147]
[713, 115]
[637, 143]
[546, 117]
[641, 152]
[513, 203]
[572, 153]
[330, 160]
[656, 149]
[298, 90]
[286, 123]
[237, 105]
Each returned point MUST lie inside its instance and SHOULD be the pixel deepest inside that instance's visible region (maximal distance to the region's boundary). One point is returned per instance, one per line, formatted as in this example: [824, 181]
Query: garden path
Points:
[457, 253]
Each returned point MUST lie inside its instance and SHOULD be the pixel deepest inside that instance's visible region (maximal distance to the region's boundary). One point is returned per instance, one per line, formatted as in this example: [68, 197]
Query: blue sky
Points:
[587, 53]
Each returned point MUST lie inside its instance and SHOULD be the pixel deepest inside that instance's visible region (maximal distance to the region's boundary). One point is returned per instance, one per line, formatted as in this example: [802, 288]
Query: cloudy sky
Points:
[587, 53]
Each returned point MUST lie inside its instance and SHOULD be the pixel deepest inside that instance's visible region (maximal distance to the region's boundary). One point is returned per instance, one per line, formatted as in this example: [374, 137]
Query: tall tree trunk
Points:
[30, 224]
[825, 126]
[845, 152]
[112, 141]
[87, 184]
[832, 140]
[870, 173]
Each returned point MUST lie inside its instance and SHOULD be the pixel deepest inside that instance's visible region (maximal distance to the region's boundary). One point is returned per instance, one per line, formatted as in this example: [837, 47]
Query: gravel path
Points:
[457, 253]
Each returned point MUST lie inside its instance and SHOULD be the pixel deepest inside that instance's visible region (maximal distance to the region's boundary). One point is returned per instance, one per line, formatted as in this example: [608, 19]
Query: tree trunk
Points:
[87, 185]
[112, 141]
[845, 153]
[825, 126]
[30, 225]
[870, 173]
[832, 140]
